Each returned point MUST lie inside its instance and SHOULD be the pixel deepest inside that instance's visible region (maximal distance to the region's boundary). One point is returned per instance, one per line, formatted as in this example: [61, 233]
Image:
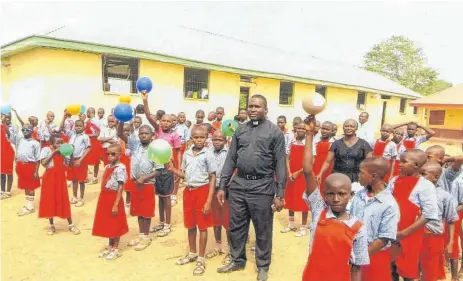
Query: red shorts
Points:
[78, 174]
[379, 268]
[220, 214]
[432, 259]
[143, 201]
[193, 204]
[456, 238]
[25, 172]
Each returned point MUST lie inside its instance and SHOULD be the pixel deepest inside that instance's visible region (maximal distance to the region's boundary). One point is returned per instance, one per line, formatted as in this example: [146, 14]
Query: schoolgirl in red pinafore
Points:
[94, 155]
[7, 152]
[295, 189]
[396, 170]
[322, 148]
[378, 151]
[407, 260]
[106, 224]
[54, 198]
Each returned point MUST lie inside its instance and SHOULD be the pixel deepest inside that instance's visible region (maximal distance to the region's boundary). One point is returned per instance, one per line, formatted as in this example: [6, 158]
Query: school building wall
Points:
[39, 80]
[453, 122]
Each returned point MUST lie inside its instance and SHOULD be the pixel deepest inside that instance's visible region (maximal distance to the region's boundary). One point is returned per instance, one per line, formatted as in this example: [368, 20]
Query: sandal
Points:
[94, 181]
[80, 203]
[51, 230]
[214, 253]
[134, 242]
[25, 211]
[157, 228]
[186, 259]
[173, 200]
[144, 243]
[74, 230]
[301, 233]
[74, 200]
[200, 268]
[288, 229]
[164, 232]
[114, 254]
[105, 253]
[227, 259]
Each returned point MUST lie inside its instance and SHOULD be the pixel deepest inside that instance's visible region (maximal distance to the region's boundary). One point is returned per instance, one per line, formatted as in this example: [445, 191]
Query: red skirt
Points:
[379, 268]
[94, 155]
[143, 201]
[54, 198]
[293, 195]
[129, 186]
[105, 224]
[432, 261]
[456, 237]
[77, 173]
[25, 172]
[7, 158]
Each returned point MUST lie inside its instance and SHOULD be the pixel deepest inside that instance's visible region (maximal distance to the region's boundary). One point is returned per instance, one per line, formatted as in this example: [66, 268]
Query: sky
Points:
[338, 31]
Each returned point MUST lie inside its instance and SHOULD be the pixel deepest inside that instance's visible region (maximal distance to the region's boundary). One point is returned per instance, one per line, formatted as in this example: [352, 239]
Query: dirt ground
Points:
[28, 253]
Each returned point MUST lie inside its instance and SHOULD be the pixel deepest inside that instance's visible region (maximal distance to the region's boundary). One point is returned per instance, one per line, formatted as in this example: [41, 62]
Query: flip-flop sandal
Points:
[214, 254]
[200, 268]
[134, 242]
[25, 211]
[227, 259]
[301, 233]
[104, 253]
[113, 255]
[288, 229]
[144, 243]
[51, 230]
[74, 230]
[157, 228]
[164, 232]
[186, 259]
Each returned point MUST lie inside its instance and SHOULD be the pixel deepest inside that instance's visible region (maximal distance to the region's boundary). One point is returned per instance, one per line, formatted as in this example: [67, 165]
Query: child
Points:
[378, 210]
[77, 166]
[27, 166]
[412, 141]
[334, 133]
[66, 127]
[108, 136]
[337, 238]
[296, 184]
[211, 116]
[321, 149]
[142, 174]
[101, 120]
[432, 252]
[110, 220]
[296, 121]
[46, 128]
[209, 130]
[137, 122]
[8, 131]
[92, 130]
[198, 170]
[220, 214]
[397, 137]
[34, 121]
[188, 124]
[417, 201]
[183, 131]
[243, 116]
[54, 198]
[316, 137]
[165, 179]
[289, 136]
[173, 117]
[385, 148]
[129, 185]
[219, 113]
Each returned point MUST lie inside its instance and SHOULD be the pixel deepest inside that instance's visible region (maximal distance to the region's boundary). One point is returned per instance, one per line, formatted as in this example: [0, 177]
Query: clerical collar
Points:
[256, 122]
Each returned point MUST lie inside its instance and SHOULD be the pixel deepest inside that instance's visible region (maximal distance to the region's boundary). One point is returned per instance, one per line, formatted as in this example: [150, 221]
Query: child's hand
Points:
[36, 175]
[77, 163]
[114, 210]
[221, 197]
[140, 181]
[207, 208]
[400, 235]
[448, 251]
[295, 175]
[310, 123]
[144, 95]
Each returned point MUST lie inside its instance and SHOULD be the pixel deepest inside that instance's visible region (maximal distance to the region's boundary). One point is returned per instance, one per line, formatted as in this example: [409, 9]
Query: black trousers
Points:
[258, 208]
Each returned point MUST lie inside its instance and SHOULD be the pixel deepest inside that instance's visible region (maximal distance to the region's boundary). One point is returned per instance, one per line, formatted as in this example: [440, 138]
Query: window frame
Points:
[290, 97]
[206, 73]
[361, 106]
[318, 90]
[433, 120]
[403, 107]
[133, 65]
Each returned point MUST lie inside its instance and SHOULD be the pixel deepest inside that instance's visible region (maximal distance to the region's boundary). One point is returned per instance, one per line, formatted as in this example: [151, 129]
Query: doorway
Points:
[383, 117]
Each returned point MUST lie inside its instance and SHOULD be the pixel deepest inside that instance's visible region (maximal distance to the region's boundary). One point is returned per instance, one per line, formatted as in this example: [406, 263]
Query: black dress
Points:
[347, 159]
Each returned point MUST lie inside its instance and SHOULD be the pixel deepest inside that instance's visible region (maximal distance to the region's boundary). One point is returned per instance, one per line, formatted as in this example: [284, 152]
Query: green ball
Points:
[229, 127]
[160, 152]
[66, 150]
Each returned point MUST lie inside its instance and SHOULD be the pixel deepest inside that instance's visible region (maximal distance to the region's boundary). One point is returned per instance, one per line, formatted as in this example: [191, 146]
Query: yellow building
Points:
[443, 112]
[190, 70]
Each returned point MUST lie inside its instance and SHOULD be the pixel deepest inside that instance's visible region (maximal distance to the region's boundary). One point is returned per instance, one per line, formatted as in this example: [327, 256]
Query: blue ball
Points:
[144, 84]
[123, 112]
[5, 108]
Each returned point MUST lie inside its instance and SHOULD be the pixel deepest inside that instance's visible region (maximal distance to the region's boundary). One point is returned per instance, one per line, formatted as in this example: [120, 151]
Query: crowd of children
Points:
[405, 222]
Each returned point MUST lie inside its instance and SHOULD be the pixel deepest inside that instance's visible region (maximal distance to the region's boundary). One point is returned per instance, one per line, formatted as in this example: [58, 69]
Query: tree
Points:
[398, 59]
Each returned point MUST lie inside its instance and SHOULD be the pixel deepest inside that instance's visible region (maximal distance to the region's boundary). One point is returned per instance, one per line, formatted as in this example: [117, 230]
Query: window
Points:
[244, 98]
[245, 79]
[286, 93]
[321, 90]
[361, 98]
[403, 104]
[436, 117]
[415, 110]
[385, 97]
[120, 74]
[196, 84]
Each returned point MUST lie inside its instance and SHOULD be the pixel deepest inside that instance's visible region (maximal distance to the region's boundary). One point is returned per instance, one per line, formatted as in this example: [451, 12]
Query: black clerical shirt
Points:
[256, 151]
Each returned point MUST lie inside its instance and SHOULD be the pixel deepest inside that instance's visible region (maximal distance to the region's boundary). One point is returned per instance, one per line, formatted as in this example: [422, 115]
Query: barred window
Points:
[437, 117]
[120, 74]
[361, 98]
[286, 93]
[403, 104]
[196, 84]
[321, 90]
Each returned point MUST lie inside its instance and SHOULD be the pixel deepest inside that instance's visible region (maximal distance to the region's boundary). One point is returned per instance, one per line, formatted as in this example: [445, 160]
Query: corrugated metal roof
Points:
[186, 43]
[452, 97]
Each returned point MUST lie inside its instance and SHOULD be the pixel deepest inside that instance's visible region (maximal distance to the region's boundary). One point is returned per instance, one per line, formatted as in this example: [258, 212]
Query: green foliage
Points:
[398, 59]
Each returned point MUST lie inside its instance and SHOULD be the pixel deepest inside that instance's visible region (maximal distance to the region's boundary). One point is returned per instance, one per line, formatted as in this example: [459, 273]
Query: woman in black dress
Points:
[347, 153]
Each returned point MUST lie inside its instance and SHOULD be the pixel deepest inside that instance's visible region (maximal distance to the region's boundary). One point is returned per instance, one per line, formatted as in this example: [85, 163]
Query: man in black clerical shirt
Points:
[258, 152]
